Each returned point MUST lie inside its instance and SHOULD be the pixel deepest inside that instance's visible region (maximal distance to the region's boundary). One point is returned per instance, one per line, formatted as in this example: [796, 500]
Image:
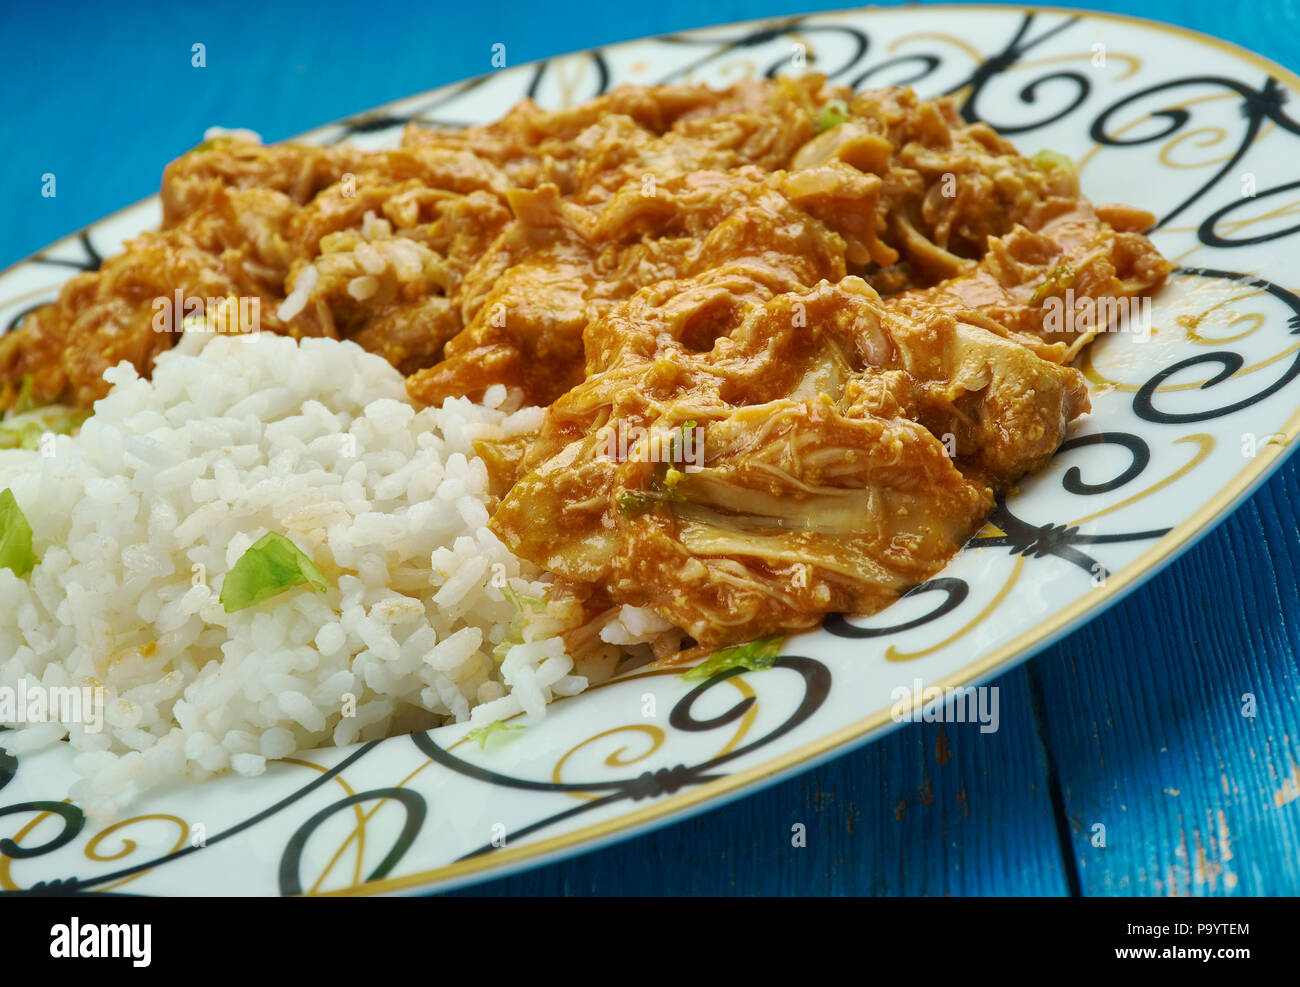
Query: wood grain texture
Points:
[1148, 718]
[932, 809]
[1141, 710]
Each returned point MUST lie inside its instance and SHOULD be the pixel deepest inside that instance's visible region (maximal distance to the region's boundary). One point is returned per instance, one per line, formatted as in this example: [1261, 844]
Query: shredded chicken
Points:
[849, 316]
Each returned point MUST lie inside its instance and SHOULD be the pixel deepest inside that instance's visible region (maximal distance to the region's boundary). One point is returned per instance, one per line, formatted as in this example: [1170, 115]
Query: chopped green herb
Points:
[630, 503]
[26, 399]
[754, 656]
[520, 601]
[65, 421]
[24, 430]
[271, 566]
[516, 632]
[662, 490]
[1058, 279]
[29, 419]
[15, 537]
[1051, 161]
[24, 436]
[501, 650]
[673, 477]
[481, 734]
[677, 446]
[832, 115]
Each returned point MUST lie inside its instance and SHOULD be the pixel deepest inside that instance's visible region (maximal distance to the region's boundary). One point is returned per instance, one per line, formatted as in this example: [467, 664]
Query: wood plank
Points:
[931, 809]
[1165, 671]
[1145, 718]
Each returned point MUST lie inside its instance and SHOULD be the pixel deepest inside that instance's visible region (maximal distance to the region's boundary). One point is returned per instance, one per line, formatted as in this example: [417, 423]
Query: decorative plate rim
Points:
[714, 794]
[1020, 649]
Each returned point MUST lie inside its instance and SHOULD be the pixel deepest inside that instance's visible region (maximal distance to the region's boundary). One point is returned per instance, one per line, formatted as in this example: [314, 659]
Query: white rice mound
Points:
[138, 518]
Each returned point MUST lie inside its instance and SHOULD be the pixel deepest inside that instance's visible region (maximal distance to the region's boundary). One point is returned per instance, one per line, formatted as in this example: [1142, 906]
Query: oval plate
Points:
[1187, 421]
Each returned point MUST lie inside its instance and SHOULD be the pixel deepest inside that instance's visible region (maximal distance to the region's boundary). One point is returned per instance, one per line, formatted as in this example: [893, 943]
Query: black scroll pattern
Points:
[816, 681]
[1046, 98]
[1228, 362]
[1031, 540]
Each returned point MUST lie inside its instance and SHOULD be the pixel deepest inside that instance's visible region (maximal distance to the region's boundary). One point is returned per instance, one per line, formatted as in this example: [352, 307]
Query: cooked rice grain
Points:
[138, 518]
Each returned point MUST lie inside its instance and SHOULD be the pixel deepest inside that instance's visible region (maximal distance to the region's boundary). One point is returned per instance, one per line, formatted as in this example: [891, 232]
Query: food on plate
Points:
[664, 373]
[264, 548]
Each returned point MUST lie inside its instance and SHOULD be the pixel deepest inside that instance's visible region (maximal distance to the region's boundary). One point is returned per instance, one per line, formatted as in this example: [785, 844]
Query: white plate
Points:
[1185, 425]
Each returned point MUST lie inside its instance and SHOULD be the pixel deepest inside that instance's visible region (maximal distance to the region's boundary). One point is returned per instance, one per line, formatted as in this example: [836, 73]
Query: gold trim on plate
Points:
[1041, 636]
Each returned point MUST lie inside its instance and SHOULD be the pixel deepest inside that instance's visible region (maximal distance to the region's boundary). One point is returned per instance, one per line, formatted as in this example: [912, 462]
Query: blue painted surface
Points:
[1133, 723]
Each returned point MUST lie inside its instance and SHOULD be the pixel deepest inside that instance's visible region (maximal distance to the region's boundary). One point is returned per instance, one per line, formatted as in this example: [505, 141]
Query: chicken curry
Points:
[842, 298]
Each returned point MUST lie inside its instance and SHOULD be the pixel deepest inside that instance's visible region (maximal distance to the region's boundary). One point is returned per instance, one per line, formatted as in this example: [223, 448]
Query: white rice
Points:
[304, 284]
[138, 518]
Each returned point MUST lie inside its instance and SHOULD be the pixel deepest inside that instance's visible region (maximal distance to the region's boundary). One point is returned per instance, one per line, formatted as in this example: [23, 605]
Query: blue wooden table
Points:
[1133, 724]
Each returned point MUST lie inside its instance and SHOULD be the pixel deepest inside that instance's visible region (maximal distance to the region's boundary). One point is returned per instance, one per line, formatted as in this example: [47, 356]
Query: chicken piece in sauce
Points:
[850, 315]
[824, 483]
